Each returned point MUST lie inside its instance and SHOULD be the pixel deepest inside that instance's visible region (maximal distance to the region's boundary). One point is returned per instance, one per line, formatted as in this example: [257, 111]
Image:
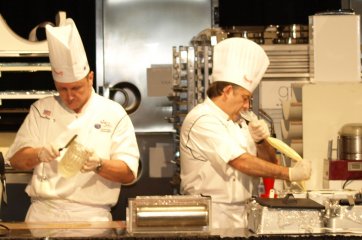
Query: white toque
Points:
[66, 52]
[239, 61]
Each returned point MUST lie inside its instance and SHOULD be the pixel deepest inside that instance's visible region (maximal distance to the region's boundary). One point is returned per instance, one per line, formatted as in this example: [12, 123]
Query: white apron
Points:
[228, 216]
[65, 211]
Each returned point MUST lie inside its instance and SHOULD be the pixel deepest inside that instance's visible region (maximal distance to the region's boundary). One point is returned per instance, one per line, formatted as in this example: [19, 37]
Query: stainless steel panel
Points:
[132, 36]
[168, 214]
[18, 178]
[165, 216]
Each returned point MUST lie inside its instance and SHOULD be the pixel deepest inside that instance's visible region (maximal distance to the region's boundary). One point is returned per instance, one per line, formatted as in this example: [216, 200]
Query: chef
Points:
[100, 125]
[220, 153]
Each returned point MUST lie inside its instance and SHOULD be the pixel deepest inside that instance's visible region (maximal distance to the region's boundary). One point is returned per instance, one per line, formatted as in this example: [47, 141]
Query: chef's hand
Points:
[93, 163]
[301, 171]
[259, 130]
[48, 153]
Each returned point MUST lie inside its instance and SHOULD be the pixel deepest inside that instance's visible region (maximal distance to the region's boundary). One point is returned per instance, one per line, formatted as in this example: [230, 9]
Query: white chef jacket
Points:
[208, 141]
[103, 126]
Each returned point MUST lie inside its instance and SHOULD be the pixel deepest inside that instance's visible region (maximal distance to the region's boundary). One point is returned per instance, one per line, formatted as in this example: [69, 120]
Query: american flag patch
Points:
[47, 113]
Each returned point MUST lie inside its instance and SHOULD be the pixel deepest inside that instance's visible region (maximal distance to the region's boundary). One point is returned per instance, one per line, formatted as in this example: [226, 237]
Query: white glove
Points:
[301, 171]
[259, 130]
[48, 153]
[93, 163]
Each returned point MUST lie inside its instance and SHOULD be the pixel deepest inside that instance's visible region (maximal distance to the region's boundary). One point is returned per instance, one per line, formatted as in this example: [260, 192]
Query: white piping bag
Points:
[276, 143]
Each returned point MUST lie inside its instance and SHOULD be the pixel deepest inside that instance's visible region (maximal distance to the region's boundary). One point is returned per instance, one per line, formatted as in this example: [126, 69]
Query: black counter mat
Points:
[299, 203]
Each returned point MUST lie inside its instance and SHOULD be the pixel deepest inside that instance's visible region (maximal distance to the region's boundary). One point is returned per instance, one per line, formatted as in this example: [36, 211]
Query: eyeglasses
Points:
[246, 98]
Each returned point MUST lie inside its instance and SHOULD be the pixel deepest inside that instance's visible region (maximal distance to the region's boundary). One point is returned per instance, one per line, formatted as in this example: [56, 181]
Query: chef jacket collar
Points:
[219, 113]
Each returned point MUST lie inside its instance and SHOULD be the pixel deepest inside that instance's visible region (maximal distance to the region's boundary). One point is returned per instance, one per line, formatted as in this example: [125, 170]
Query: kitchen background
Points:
[135, 48]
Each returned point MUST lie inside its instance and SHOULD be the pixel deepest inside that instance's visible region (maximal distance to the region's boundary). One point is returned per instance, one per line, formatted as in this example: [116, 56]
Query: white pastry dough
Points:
[287, 151]
[284, 148]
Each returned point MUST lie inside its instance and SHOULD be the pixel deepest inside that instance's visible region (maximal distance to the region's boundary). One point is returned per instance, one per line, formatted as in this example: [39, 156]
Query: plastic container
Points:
[73, 159]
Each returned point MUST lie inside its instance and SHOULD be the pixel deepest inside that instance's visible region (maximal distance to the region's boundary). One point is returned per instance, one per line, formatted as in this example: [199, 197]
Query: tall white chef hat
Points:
[239, 61]
[66, 52]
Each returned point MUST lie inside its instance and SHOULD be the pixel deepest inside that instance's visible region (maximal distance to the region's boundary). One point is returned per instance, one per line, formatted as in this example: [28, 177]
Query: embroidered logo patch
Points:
[104, 126]
[247, 80]
[59, 73]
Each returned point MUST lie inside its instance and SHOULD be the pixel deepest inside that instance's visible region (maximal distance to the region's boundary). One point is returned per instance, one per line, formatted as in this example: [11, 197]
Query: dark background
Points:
[23, 15]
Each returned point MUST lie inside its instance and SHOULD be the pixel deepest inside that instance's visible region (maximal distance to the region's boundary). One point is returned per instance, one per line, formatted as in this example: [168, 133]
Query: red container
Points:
[268, 185]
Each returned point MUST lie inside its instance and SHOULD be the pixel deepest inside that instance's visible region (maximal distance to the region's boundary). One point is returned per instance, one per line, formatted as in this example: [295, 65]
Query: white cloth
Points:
[240, 61]
[51, 211]
[64, 211]
[102, 126]
[208, 142]
[66, 52]
[228, 216]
